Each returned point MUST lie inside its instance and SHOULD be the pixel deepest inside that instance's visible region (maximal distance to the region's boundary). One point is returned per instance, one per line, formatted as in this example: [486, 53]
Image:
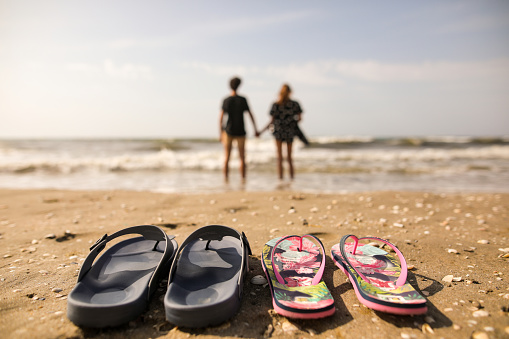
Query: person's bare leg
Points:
[289, 158]
[227, 141]
[279, 146]
[241, 142]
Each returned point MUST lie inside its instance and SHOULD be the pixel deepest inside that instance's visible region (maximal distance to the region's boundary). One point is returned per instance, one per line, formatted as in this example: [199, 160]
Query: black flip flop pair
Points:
[205, 281]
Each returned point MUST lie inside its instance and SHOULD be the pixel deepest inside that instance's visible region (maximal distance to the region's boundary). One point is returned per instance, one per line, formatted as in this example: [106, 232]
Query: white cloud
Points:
[112, 69]
[373, 71]
[336, 72]
[127, 70]
[194, 32]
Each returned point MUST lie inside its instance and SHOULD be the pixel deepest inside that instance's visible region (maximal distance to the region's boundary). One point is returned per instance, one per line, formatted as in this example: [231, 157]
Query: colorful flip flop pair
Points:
[294, 267]
[205, 281]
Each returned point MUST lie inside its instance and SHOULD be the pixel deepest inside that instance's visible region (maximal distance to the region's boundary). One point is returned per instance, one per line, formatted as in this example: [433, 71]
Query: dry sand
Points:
[463, 235]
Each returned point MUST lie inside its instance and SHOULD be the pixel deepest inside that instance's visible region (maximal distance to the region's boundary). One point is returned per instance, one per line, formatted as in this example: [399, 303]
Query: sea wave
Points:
[328, 164]
[260, 156]
[414, 142]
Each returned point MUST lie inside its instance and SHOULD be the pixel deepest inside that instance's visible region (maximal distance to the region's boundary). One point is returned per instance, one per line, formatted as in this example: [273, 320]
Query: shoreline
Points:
[438, 233]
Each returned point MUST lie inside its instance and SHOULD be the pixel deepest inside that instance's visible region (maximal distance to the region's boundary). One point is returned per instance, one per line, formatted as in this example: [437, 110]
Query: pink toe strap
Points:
[318, 277]
[404, 269]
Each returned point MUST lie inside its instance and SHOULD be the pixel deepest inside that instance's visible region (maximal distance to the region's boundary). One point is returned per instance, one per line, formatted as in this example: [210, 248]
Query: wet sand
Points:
[45, 236]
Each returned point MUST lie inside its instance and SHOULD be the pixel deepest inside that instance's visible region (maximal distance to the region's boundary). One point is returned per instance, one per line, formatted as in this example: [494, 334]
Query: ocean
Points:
[327, 165]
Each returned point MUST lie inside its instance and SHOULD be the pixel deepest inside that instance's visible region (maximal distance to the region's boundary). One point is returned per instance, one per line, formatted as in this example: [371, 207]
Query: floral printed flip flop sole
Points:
[379, 280]
[294, 268]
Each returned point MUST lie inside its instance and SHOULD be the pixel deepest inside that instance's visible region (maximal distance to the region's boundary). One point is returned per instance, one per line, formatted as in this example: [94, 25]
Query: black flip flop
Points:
[118, 286]
[206, 278]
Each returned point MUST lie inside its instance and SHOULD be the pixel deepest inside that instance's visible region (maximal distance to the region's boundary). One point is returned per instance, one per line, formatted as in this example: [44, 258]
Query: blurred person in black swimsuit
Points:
[285, 115]
[234, 107]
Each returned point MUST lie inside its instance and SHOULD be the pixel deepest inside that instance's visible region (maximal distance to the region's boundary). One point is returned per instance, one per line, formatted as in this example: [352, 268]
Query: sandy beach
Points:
[46, 234]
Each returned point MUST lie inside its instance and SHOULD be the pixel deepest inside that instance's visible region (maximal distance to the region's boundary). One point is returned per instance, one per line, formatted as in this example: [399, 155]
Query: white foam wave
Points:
[260, 155]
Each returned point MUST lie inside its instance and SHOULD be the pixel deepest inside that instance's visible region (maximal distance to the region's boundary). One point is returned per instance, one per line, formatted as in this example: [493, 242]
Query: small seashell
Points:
[274, 230]
[50, 236]
[314, 210]
[411, 267]
[397, 224]
[480, 313]
[258, 280]
[482, 241]
[448, 309]
[31, 249]
[448, 278]
[457, 279]
[429, 319]
[479, 335]
[56, 290]
[426, 328]
[452, 250]
[288, 327]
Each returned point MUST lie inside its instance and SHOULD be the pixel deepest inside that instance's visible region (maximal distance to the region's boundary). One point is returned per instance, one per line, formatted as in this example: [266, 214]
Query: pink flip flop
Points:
[294, 267]
[378, 279]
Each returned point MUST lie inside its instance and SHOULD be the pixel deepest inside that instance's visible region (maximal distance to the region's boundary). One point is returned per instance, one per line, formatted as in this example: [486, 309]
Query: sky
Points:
[160, 69]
